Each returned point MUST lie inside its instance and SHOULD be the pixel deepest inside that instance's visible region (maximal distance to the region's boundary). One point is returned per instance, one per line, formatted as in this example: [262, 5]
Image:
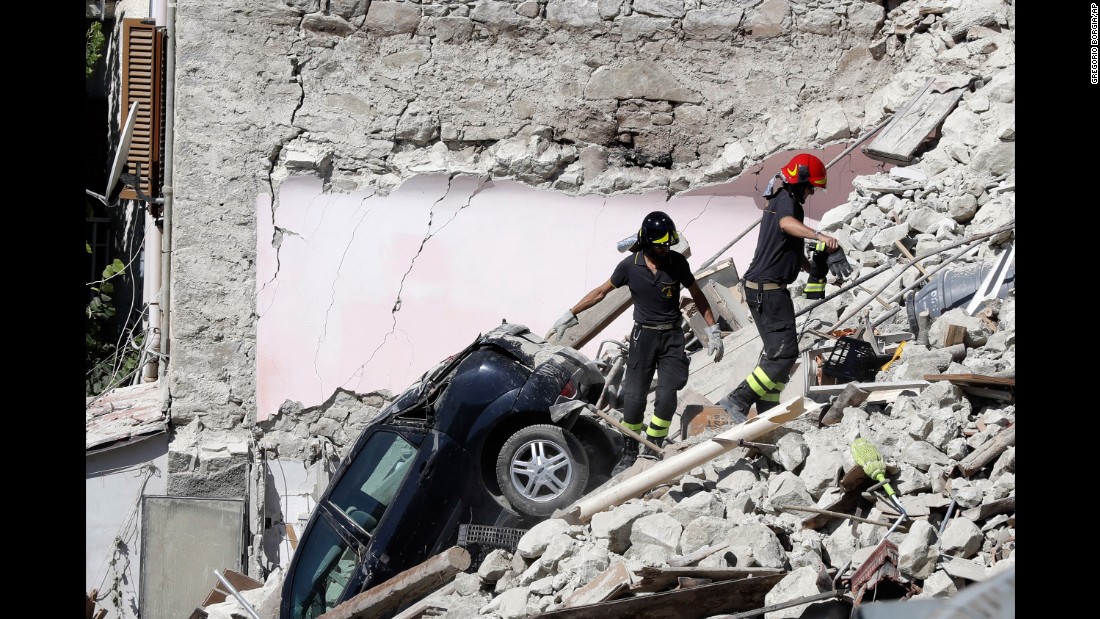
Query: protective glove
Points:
[838, 264]
[567, 320]
[714, 341]
[819, 268]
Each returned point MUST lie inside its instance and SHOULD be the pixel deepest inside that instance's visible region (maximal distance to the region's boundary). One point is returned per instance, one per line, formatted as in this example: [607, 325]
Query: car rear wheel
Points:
[542, 468]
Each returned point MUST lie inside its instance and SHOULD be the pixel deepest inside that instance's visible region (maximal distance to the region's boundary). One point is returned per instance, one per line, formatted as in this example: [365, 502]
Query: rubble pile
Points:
[950, 453]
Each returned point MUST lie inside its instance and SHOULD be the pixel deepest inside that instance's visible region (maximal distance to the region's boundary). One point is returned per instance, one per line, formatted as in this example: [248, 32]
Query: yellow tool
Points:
[867, 456]
[897, 353]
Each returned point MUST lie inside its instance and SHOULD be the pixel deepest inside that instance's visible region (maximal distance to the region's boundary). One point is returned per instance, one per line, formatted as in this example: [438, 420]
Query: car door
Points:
[333, 558]
[439, 494]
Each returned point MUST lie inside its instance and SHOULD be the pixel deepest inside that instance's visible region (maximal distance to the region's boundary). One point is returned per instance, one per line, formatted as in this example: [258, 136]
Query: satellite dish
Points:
[120, 159]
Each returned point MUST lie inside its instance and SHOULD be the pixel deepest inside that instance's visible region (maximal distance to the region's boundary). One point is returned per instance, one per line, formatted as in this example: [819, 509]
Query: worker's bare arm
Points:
[593, 297]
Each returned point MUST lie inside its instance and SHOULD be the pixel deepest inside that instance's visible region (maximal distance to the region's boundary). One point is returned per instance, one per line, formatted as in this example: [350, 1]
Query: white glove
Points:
[568, 319]
[714, 340]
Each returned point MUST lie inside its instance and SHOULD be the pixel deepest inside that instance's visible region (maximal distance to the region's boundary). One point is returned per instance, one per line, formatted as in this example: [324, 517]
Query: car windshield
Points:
[328, 559]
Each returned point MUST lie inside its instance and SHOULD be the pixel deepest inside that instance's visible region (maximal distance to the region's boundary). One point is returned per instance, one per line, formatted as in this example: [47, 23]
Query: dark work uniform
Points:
[656, 341]
[775, 264]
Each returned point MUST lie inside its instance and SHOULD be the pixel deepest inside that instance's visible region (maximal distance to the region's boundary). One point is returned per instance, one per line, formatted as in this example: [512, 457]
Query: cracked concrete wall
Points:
[575, 100]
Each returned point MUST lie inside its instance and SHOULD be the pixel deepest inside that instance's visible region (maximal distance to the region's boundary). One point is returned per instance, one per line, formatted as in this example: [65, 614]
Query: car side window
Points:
[363, 493]
[371, 481]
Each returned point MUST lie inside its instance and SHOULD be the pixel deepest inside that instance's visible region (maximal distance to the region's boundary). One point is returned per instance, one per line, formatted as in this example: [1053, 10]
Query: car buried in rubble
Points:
[495, 437]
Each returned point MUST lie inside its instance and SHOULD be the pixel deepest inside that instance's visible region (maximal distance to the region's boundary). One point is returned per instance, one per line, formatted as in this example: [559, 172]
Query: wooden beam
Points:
[661, 578]
[973, 379]
[425, 604]
[695, 603]
[405, 588]
[987, 451]
[905, 252]
[922, 115]
[956, 334]
[1000, 506]
[727, 302]
[825, 512]
[828, 390]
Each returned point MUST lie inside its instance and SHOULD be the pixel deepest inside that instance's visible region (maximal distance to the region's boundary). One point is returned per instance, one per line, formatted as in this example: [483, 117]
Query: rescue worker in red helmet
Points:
[655, 274]
[775, 265]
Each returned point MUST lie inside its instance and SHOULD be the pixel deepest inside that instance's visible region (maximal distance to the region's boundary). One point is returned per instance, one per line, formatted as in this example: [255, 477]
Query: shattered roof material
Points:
[124, 415]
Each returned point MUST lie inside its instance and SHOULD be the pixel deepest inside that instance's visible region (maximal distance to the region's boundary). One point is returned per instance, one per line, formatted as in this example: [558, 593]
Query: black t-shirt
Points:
[778, 257]
[656, 296]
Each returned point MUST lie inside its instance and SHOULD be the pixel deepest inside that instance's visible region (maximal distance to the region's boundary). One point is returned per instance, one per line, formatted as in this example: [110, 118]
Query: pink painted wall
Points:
[365, 292]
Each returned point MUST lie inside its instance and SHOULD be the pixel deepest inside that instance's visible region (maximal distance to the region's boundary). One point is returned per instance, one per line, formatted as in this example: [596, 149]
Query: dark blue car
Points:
[499, 435]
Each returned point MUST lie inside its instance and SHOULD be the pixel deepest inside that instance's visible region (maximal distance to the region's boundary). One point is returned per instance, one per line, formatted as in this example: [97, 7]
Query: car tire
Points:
[601, 449]
[542, 468]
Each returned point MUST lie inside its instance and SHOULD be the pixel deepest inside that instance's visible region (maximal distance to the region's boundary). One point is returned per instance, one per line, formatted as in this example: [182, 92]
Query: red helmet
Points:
[805, 168]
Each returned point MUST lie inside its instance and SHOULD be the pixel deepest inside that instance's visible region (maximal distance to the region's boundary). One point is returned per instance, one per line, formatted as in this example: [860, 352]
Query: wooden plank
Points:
[722, 273]
[728, 303]
[408, 586]
[592, 321]
[846, 502]
[956, 334]
[426, 605]
[984, 392]
[661, 578]
[922, 115]
[987, 451]
[1000, 506]
[695, 603]
[973, 379]
[825, 512]
[829, 390]
[611, 584]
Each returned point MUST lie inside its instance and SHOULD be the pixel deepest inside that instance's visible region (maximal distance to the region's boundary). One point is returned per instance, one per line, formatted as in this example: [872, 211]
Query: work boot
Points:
[738, 411]
[646, 452]
[630, 454]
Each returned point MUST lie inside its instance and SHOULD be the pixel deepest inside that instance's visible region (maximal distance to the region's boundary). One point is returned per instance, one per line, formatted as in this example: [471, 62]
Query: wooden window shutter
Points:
[143, 81]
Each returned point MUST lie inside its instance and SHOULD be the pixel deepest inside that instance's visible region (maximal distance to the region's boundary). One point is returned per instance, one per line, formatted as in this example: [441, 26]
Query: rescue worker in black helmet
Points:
[776, 263]
[655, 276]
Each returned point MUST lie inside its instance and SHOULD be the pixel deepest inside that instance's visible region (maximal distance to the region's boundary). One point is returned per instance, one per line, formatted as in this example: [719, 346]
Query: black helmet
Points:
[658, 229]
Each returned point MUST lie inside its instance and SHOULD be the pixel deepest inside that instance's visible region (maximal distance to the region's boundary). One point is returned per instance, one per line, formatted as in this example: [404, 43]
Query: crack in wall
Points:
[700, 213]
[273, 160]
[332, 297]
[412, 263]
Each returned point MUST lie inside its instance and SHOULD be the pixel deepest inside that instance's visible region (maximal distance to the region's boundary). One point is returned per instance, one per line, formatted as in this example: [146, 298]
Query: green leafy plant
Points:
[93, 46]
[107, 361]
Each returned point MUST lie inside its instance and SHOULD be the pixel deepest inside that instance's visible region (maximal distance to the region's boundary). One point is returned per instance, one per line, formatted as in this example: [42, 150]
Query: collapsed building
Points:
[794, 512]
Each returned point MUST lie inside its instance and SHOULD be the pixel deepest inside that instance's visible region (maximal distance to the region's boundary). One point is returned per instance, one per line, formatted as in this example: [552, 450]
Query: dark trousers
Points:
[652, 350]
[773, 313]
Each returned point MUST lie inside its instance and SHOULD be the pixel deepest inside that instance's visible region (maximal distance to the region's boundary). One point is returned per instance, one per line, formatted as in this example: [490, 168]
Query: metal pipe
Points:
[240, 600]
[852, 311]
[675, 466]
[166, 216]
[152, 291]
[950, 510]
[920, 279]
